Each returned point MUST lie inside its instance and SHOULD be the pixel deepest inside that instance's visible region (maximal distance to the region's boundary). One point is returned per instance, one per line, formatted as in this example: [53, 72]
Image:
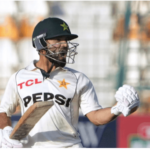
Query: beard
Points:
[59, 55]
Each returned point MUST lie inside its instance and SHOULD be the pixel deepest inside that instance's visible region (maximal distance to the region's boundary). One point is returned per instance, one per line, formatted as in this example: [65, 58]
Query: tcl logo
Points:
[29, 83]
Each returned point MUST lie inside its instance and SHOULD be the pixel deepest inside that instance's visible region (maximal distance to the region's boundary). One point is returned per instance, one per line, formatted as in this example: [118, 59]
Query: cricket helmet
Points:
[51, 28]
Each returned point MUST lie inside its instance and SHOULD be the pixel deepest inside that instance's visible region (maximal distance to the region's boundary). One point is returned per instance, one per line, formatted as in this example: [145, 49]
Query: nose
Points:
[64, 43]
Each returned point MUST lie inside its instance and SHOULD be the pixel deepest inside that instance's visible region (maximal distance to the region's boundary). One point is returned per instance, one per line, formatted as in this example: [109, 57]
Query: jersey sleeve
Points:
[88, 98]
[10, 99]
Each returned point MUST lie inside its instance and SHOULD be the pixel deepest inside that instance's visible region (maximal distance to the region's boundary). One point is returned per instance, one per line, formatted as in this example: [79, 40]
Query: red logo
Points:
[29, 83]
[144, 130]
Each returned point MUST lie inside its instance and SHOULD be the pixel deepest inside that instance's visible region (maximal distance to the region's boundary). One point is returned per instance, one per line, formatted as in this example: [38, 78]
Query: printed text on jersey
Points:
[37, 97]
[29, 83]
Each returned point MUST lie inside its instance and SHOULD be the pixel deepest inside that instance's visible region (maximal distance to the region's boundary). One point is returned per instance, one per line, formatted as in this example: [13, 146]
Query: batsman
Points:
[47, 79]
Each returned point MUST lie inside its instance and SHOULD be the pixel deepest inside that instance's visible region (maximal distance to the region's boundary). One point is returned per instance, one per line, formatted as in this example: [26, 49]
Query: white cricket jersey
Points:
[68, 88]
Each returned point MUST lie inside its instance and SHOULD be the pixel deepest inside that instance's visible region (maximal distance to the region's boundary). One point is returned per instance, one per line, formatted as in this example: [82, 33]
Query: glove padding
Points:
[7, 142]
[127, 99]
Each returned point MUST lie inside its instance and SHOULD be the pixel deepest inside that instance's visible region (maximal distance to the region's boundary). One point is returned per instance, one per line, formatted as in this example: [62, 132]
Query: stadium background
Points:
[114, 49]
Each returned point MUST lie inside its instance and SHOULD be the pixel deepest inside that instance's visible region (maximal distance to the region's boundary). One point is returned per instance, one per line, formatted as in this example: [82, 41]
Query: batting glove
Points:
[127, 99]
[7, 142]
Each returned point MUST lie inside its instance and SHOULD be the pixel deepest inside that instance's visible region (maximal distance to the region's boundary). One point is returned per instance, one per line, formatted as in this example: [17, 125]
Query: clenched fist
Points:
[128, 101]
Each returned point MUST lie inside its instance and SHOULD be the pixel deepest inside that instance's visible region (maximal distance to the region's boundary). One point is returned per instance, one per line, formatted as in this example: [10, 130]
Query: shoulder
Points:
[13, 76]
[81, 77]
[78, 74]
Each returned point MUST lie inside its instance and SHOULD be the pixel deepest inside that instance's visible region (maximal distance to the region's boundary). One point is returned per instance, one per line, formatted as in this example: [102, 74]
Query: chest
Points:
[60, 88]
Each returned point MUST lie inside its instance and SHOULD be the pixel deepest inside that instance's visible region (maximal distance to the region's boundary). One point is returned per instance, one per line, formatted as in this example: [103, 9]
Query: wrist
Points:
[115, 110]
[9, 128]
[120, 108]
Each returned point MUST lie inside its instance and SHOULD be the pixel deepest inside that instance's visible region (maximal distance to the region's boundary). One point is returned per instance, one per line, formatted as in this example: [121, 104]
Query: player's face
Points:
[59, 47]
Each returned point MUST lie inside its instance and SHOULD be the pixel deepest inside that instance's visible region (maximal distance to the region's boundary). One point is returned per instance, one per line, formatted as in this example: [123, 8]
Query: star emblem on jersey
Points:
[65, 27]
[63, 83]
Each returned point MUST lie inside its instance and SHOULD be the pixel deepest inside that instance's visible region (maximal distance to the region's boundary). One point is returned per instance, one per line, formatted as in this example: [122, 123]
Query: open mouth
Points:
[63, 53]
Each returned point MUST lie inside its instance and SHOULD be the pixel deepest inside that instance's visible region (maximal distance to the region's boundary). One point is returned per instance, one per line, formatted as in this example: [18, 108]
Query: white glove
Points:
[127, 99]
[7, 142]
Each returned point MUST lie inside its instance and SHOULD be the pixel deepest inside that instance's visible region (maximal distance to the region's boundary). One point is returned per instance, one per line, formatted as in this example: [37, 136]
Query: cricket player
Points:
[48, 79]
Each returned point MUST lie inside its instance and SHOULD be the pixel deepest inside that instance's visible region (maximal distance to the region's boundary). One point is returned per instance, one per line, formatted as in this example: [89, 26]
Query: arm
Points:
[5, 121]
[128, 102]
[7, 108]
[9, 102]
[101, 116]
[90, 106]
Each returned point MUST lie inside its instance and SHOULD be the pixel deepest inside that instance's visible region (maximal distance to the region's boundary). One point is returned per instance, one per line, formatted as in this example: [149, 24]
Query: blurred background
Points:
[114, 49]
